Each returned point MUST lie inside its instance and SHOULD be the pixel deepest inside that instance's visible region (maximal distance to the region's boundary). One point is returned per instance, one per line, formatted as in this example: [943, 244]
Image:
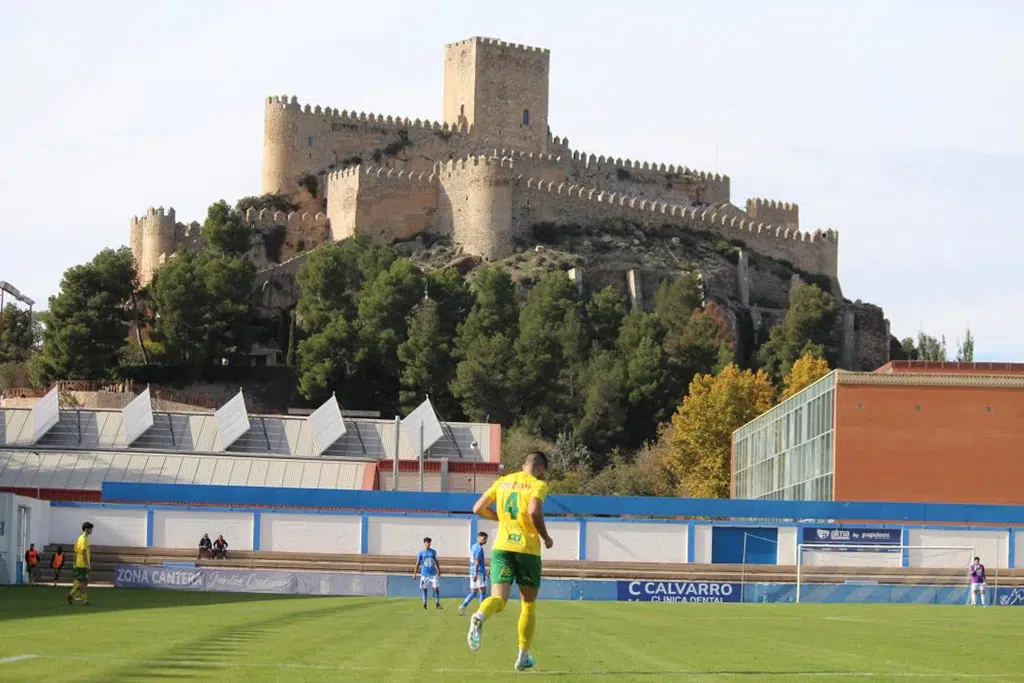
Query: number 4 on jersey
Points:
[512, 505]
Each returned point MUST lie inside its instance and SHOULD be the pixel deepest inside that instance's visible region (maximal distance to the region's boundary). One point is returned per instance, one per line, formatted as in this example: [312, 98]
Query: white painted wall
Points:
[566, 536]
[702, 544]
[404, 536]
[111, 526]
[787, 545]
[991, 546]
[38, 531]
[184, 528]
[1018, 552]
[636, 542]
[819, 558]
[310, 533]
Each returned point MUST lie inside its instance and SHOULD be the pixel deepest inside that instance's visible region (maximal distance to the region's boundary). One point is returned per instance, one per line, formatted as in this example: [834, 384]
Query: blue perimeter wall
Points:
[610, 506]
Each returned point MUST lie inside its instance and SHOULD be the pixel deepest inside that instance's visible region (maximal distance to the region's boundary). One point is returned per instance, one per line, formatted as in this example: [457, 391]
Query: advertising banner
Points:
[884, 540]
[678, 591]
[1013, 597]
[249, 580]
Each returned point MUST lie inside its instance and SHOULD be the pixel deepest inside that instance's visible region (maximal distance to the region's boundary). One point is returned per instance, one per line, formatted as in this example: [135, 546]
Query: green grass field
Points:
[143, 635]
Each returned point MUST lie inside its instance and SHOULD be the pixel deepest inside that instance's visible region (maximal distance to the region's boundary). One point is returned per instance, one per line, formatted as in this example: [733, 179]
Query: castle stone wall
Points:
[476, 202]
[300, 139]
[501, 89]
[154, 234]
[775, 212]
[386, 204]
[278, 237]
[646, 180]
[537, 202]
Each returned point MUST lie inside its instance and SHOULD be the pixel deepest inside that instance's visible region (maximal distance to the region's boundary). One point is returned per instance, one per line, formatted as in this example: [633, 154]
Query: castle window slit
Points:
[526, 117]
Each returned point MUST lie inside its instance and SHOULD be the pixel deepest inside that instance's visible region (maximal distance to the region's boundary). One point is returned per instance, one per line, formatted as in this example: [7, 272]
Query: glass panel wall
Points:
[786, 453]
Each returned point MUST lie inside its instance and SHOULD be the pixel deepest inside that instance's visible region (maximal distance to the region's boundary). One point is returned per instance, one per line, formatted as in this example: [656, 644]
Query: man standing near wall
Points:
[516, 555]
[429, 571]
[977, 582]
[477, 572]
[80, 572]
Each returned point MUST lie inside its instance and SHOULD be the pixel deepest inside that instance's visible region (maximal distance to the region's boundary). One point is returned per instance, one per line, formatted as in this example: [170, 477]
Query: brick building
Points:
[909, 431]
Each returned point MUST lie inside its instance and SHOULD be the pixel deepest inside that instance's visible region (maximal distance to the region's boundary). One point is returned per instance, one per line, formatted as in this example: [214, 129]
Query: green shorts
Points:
[507, 566]
[80, 574]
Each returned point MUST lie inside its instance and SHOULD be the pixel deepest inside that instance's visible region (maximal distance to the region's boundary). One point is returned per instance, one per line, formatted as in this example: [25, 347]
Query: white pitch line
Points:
[685, 675]
[19, 658]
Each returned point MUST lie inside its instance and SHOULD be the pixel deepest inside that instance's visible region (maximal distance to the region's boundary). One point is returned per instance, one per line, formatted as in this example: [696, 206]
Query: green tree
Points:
[88, 320]
[603, 422]
[201, 306]
[809, 326]
[329, 283]
[699, 346]
[909, 349]
[549, 352]
[225, 229]
[427, 366]
[272, 201]
[494, 311]
[326, 359]
[930, 348]
[20, 334]
[454, 299]
[605, 312]
[484, 380]
[701, 437]
[676, 300]
[650, 386]
[965, 348]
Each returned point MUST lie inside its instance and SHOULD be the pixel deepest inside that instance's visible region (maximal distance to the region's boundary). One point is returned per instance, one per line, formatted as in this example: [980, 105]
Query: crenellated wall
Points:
[649, 180]
[538, 202]
[476, 205]
[772, 211]
[300, 139]
[278, 237]
[386, 204]
[153, 239]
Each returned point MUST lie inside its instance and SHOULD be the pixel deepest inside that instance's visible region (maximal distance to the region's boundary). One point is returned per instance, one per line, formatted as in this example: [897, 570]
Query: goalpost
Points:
[840, 557]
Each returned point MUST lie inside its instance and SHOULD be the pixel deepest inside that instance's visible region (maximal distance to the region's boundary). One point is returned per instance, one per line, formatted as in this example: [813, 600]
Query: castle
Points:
[483, 176]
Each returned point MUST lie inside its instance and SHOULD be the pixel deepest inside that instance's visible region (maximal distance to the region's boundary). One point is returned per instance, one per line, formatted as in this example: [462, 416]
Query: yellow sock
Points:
[492, 606]
[74, 588]
[527, 623]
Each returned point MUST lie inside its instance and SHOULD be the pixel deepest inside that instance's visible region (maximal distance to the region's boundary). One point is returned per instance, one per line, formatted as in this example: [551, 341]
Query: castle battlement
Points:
[380, 172]
[346, 117]
[474, 160]
[154, 213]
[593, 161]
[291, 219]
[495, 42]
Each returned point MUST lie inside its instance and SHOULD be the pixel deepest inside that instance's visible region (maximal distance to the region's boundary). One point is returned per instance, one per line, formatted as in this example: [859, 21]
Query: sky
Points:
[901, 125]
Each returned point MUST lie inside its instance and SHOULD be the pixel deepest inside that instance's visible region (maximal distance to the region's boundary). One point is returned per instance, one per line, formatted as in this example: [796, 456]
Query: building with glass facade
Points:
[910, 431]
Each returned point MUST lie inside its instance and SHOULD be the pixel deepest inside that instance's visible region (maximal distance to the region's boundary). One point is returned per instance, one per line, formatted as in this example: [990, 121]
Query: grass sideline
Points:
[156, 635]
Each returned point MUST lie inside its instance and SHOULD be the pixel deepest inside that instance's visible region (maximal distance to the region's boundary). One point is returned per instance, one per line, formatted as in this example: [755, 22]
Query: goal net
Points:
[869, 572]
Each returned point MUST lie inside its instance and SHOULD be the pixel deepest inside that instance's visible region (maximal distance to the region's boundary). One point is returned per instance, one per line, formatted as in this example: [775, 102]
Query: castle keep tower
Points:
[500, 89]
[153, 237]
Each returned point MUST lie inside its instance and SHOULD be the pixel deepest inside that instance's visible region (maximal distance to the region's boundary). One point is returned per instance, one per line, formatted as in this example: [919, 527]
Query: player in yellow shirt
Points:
[516, 554]
[80, 571]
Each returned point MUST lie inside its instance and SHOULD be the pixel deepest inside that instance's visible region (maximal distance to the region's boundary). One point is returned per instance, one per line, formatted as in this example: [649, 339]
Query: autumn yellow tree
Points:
[807, 370]
[702, 427]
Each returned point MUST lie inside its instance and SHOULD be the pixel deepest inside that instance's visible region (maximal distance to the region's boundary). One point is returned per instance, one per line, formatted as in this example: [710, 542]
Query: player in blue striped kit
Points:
[477, 572]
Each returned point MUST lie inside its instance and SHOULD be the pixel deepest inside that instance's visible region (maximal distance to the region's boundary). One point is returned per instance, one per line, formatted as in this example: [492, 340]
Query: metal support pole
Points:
[394, 465]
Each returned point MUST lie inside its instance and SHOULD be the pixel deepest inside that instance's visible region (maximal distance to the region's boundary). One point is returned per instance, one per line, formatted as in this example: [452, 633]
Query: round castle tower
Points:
[152, 236]
[284, 124]
[479, 190]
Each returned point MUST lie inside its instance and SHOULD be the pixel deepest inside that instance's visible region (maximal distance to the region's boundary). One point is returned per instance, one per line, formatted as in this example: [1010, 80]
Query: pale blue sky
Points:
[900, 124]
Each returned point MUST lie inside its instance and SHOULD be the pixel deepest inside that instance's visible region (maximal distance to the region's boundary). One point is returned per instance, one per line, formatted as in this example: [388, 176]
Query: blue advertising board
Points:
[678, 591]
[881, 540]
[1013, 597]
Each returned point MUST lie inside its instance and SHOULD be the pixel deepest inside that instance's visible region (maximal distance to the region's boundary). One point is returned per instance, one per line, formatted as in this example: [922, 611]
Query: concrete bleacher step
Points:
[106, 557]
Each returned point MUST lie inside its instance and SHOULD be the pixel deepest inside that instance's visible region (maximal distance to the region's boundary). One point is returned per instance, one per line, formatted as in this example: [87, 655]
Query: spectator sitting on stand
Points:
[205, 547]
[220, 548]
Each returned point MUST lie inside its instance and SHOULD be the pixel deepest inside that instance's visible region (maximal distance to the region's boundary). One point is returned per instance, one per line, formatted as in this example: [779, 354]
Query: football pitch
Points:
[147, 635]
